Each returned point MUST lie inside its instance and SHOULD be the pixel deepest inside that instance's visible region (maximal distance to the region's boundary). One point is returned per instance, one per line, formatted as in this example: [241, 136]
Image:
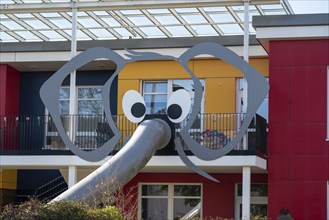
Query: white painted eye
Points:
[133, 106]
[179, 105]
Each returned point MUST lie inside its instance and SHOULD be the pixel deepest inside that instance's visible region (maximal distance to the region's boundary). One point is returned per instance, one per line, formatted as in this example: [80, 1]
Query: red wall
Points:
[9, 90]
[298, 153]
[218, 198]
[9, 105]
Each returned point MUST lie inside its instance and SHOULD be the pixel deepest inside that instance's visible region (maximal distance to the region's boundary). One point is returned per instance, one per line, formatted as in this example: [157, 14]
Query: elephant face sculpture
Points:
[178, 103]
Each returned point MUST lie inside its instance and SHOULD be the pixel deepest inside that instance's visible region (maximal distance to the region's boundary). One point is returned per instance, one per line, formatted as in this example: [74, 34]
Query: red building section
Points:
[217, 198]
[9, 102]
[298, 150]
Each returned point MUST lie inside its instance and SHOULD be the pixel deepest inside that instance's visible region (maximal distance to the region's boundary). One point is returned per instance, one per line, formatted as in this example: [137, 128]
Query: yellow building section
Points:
[220, 79]
[8, 179]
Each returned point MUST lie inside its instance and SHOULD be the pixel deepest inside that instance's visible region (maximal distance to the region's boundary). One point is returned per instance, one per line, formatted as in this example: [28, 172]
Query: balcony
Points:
[37, 135]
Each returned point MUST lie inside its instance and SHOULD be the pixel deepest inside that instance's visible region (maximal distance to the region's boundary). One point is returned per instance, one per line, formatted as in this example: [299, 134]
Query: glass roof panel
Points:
[194, 19]
[123, 32]
[167, 19]
[36, 24]
[204, 30]
[97, 22]
[102, 33]
[111, 22]
[12, 25]
[178, 31]
[24, 15]
[251, 14]
[222, 17]
[28, 35]
[6, 37]
[152, 32]
[61, 23]
[88, 22]
[231, 29]
[140, 21]
[53, 35]
[80, 35]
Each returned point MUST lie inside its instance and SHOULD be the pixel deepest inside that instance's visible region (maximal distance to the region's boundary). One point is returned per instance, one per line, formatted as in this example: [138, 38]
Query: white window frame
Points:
[257, 200]
[170, 197]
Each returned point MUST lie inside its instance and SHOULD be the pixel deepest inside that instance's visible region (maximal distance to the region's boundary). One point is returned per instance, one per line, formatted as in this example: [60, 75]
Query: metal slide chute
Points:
[150, 136]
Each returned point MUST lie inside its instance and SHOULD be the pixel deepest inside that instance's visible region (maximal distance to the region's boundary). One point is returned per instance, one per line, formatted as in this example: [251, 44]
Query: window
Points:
[258, 201]
[170, 201]
[156, 93]
[155, 96]
[263, 108]
[85, 124]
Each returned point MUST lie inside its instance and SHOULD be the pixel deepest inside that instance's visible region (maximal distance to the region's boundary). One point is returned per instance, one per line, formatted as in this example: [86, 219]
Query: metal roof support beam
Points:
[121, 5]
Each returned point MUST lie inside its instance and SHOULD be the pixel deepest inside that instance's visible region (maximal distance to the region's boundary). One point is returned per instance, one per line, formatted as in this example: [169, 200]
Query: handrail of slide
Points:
[150, 136]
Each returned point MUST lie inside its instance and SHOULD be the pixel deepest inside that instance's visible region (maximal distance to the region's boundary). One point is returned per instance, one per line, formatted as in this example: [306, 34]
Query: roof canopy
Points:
[50, 20]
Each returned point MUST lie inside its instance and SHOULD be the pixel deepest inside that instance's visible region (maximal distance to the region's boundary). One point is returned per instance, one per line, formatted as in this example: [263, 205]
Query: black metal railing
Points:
[88, 132]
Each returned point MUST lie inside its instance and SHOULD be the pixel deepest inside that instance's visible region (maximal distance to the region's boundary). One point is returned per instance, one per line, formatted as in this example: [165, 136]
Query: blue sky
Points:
[309, 6]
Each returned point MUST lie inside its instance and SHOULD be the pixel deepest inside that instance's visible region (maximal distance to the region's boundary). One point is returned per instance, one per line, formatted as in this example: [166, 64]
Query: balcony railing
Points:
[38, 134]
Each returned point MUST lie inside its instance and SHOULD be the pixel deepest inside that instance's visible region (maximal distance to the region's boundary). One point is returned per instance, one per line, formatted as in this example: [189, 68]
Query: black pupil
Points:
[174, 111]
[138, 110]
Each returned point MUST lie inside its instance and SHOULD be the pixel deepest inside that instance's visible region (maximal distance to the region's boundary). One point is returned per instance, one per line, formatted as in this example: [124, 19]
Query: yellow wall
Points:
[8, 179]
[220, 78]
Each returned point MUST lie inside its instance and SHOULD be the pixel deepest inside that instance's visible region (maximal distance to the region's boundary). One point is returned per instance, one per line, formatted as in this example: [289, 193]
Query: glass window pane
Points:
[64, 107]
[52, 35]
[91, 93]
[64, 93]
[155, 190]
[187, 190]
[90, 107]
[154, 208]
[255, 190]
[187, 208]
[155, 98]
[155, 87]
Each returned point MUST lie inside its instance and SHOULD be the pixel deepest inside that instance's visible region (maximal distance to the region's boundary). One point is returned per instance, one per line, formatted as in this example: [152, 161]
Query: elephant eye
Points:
[179, 105]
[133, 106]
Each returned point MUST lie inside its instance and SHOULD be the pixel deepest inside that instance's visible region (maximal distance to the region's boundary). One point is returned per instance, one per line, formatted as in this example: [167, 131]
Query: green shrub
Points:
[63, 210]
[106, 213]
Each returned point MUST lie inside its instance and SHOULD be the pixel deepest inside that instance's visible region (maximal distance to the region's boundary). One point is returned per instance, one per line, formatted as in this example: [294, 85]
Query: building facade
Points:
[289, 170]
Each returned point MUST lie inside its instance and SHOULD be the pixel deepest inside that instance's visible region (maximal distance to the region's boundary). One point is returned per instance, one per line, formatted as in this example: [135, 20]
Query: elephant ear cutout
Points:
[49, 94]
[257, 90]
